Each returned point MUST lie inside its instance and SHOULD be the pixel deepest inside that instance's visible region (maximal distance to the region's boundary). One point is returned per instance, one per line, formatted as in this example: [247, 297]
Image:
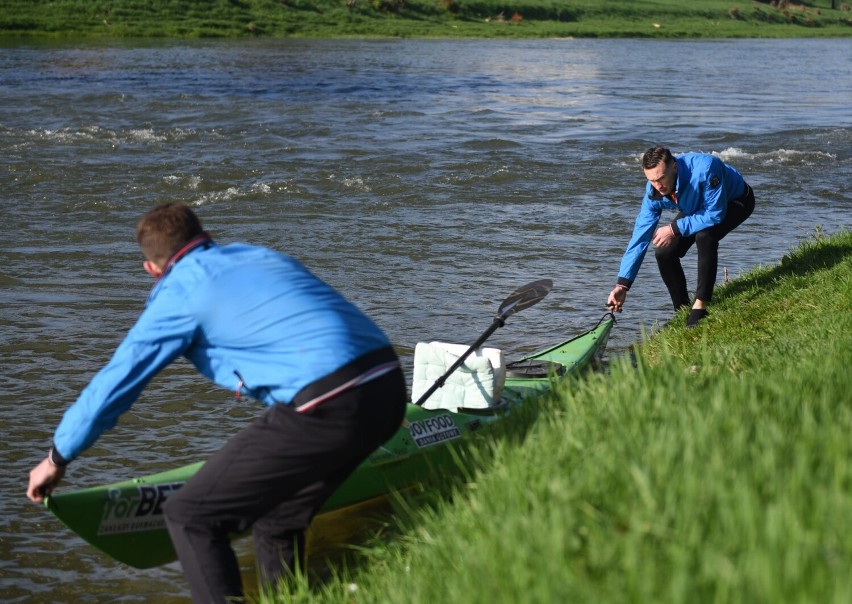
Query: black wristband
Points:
[55, 459]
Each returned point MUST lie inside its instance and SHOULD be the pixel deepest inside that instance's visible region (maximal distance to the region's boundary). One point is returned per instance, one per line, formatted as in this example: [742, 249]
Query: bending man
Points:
[256, 322]
[711, 200]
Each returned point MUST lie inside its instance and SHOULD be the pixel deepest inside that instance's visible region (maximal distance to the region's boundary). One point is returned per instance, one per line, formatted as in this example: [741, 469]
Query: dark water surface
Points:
[424, 179]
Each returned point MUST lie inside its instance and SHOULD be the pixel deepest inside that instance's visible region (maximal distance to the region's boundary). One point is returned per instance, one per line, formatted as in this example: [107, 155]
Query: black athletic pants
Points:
[707, 242]
[274, 476]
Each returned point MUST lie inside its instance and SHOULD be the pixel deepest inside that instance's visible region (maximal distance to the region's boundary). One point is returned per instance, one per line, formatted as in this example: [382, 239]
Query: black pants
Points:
[274, 476]
[707, 242]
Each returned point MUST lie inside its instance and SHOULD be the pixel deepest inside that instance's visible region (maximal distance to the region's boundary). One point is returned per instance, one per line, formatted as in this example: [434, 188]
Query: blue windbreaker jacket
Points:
[236, 312]
[705, 185]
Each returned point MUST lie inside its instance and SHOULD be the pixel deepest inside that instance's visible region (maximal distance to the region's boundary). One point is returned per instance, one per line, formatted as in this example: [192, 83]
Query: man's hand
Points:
[664, 236]
[43, 479]
[616, 298]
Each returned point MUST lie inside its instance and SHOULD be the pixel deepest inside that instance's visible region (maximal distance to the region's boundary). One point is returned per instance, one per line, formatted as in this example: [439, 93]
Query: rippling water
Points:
[424, 179]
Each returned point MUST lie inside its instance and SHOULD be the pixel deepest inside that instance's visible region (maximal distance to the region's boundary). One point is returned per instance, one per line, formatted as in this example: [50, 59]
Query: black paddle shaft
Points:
[521, 298]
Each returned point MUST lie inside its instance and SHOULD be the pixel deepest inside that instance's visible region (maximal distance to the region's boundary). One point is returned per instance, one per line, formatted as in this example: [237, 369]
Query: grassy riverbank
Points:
[716, 468]
[424, 18]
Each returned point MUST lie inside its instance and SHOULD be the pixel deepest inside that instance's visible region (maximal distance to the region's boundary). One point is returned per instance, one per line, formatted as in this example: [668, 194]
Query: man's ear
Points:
[152, 269]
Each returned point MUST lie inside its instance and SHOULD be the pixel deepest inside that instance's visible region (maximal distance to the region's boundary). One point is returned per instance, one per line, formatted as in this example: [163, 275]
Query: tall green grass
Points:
[715, 465]
[423, 18]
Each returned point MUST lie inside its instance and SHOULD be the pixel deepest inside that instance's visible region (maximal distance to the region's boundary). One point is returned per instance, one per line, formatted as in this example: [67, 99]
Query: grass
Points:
[422, 18]
[715, 466]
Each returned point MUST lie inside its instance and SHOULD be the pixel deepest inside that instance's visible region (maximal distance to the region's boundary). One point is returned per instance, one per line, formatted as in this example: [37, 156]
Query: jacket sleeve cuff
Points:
[675, 229]
[624, 282]
[56, 458]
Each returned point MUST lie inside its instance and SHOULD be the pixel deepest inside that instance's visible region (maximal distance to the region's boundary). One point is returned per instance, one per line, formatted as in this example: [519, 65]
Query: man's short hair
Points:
[163, 231]
[653, 156]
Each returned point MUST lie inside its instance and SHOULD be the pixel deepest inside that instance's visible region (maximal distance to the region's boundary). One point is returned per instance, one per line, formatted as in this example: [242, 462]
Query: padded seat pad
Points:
[477, 383]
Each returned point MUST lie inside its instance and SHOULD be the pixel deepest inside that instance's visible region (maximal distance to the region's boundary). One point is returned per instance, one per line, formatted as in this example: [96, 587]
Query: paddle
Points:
[521, 298]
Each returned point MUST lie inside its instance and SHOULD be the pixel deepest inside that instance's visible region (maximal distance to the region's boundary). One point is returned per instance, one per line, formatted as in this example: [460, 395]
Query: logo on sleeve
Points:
[714, 182]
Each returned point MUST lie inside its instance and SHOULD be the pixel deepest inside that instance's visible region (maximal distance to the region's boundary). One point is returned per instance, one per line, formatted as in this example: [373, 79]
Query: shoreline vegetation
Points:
[29, 20]
[711, 465]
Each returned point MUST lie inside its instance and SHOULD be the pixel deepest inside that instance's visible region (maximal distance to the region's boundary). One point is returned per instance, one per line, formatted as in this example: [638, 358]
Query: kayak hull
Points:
[124, 520]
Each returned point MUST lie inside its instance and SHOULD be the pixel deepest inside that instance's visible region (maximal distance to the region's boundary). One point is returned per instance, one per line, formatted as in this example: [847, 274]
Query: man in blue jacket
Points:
[256, 322]
[711, 200]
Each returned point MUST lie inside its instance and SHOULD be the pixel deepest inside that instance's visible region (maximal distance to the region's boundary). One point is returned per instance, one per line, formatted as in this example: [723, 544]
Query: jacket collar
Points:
[202, 240]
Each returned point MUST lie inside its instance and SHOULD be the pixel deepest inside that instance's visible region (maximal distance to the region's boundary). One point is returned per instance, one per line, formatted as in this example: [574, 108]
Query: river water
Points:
[424, 179]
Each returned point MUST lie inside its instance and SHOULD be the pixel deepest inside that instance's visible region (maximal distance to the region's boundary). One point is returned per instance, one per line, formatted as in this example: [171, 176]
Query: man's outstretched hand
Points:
[43, 479]
[616, 298]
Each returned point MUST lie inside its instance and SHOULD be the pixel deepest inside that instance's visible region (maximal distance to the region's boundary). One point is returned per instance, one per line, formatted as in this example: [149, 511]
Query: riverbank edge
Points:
[22, 21]
[713, 464]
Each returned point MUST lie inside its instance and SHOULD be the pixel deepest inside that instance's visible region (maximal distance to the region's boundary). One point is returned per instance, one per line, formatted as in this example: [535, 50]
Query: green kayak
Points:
[124, 520]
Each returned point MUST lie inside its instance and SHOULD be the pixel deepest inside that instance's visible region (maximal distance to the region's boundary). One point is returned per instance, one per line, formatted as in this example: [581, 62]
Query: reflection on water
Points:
[425, 179]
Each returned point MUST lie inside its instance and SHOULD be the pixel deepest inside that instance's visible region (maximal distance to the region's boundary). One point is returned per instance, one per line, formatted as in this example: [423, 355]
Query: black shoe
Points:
[695, 315]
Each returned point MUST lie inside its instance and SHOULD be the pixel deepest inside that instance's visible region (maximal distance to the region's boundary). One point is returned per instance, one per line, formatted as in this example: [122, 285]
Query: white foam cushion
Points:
[477, 383]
